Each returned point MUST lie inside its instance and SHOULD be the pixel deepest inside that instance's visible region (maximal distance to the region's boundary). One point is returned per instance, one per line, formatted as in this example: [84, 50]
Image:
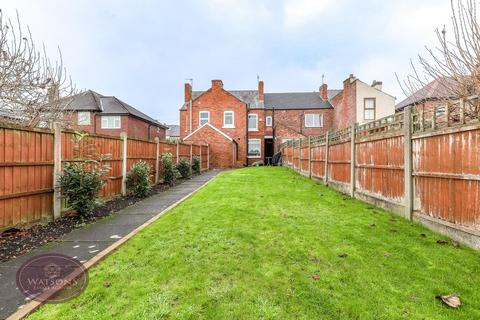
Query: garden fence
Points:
[31, 158]
[424, 165]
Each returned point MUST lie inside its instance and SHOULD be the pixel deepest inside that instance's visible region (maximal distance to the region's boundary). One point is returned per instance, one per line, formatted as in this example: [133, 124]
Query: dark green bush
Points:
[169, 170]
[184, 168]
[80, 184]
[196, 164]
[138, 179]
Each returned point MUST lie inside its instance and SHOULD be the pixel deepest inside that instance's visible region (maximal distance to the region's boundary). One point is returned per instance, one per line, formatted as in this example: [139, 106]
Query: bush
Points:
[196, 164]
[81, 185]
[138, 179]
[169, 170]
[184, 168]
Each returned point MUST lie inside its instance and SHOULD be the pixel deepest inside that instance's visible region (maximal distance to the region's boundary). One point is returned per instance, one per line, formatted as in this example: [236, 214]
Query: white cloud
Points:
[298, 13]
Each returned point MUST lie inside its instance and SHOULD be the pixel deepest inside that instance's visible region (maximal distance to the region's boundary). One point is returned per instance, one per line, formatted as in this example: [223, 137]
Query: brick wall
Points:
[345, 105]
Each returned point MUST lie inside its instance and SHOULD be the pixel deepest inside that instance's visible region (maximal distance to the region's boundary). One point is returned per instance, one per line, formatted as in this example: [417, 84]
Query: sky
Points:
[143, 51]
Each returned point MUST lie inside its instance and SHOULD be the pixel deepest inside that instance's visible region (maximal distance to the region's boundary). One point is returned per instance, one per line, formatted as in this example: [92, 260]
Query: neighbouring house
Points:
[173, 131]
[432, 96]
[246, 126]
[96, 113]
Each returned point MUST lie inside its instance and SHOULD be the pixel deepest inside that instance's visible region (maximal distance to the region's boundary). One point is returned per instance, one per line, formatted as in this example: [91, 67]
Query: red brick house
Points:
[246, 126]
[96, 113]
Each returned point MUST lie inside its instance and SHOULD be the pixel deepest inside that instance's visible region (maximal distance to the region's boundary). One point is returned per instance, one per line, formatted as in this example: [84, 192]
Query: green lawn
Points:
[265, 243]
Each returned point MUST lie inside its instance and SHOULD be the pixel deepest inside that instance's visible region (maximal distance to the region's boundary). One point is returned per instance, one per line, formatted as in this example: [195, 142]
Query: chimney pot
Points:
[377, 84]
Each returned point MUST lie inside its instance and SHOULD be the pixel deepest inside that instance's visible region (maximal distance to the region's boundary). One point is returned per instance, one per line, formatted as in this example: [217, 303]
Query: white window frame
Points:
[113, 125]
[233, 119]
[373, 110]
[320, 120]
[256, 121]
[440, 110]
[268, 121]
[286, 139]
[259, 141]
[80, 121]
[200, 117]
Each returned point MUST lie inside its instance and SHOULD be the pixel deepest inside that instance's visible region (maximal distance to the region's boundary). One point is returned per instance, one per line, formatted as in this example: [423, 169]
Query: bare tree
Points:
[454, 63]
[33, 90]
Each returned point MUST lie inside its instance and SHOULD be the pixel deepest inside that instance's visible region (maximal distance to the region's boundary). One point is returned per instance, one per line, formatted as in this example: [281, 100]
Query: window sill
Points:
[252, 129]
[254, 157]
[228, 127]
[313, 127]
[110, 128]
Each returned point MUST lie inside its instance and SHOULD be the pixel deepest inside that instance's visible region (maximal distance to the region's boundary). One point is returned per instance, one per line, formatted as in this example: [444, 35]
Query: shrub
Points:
[196, 164]
[169, 170]
[81, 185]
[138, 179]
[184, 168]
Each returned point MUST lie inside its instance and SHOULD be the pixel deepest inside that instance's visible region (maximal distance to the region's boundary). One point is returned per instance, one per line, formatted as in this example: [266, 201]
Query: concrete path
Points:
[85, 243]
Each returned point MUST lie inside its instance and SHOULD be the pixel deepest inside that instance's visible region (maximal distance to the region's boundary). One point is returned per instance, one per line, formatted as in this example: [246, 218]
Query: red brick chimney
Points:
[217, 84]
[324, 91]
[188, 92]
[261, 96]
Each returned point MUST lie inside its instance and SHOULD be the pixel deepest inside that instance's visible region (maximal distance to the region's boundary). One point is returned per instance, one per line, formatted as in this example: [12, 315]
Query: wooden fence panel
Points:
[304, 156]
[142, 150]
[318, 161]
[379, 167]
[204, 156]
[184, 151]
[339, 162]
[26, 176]
[446, 171]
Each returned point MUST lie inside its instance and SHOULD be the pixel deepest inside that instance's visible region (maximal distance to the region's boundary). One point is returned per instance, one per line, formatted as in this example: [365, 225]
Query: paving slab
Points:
[83, 244]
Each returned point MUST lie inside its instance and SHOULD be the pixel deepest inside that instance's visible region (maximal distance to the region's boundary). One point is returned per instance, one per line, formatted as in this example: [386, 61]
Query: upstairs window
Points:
[83, 118]
[253, 122]
[203, 117]
[228, 119]
[369, 109]
[110, 122]
[268, 121]
[313, 120]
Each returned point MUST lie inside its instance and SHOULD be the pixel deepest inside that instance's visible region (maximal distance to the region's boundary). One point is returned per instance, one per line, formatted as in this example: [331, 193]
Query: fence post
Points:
[201, 158]
[57, 170]
[462, 111]
[352, 160]
[191, 153]
[177, 152]
[293, 154]
[157, 160]
[300, 155]
[208, 157]
[310, 157]
[327, 153]
[408, 164]
[123, 135]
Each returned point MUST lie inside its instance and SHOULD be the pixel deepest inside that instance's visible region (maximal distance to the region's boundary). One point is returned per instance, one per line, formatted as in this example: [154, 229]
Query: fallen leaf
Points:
[343, 255]
[316, 277]
[387, 254]
[107, 284]
[442, 241]
[455, 244]
[451, 300]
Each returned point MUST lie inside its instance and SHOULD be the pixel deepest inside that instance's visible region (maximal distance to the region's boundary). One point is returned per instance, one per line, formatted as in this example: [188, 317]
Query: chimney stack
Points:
[261, 96]
[324, 91]
[377, 84]
[217, 84]
[188, 92]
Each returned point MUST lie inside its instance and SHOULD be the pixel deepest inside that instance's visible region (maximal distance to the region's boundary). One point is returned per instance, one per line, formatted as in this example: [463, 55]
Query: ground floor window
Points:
[254, 148]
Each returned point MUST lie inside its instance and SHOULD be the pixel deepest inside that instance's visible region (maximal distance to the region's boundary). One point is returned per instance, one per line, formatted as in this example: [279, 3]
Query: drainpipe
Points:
[273, 126]
[246, 114]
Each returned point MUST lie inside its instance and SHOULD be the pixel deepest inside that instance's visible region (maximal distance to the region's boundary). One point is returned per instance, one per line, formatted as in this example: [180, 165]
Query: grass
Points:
[265, 243]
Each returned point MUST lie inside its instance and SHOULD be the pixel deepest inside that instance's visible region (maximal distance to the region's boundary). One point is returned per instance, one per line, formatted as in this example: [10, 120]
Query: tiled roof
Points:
[287, 100]
[296, 100]
[93, 101]
[437, 89]
[173, 130]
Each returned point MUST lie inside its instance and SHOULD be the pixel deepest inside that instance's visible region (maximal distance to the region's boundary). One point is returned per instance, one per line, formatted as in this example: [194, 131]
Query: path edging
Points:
[31, 306]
